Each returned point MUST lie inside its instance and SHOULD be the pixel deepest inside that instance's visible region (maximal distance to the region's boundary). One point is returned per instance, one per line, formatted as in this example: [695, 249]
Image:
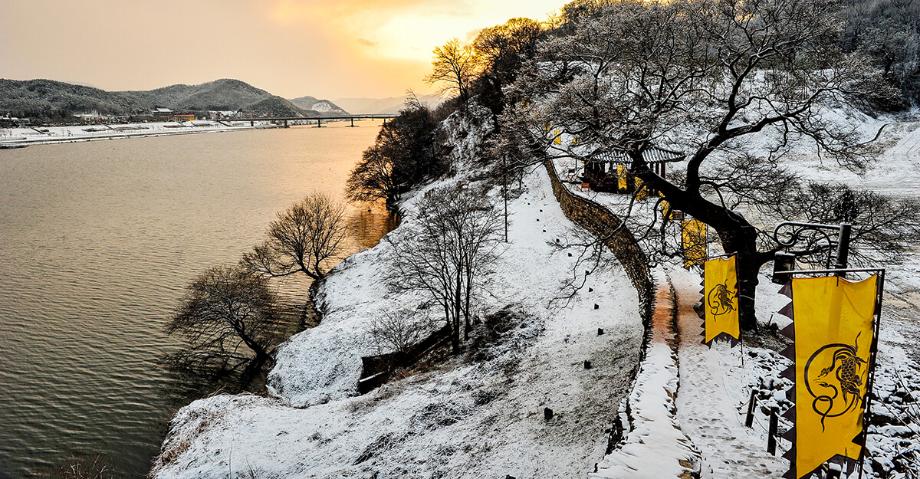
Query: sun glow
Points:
[408, 29]
[329, 48]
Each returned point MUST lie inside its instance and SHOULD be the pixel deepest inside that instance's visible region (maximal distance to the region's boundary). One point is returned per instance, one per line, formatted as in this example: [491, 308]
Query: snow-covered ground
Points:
[76, 133]
[477, 415]
[482, 414]
[715, 384]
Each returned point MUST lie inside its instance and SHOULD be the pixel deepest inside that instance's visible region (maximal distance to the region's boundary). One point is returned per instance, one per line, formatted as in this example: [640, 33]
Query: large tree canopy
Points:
[734, 85]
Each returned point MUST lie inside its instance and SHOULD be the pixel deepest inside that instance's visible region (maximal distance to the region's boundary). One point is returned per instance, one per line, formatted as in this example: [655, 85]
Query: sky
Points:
[321, 48]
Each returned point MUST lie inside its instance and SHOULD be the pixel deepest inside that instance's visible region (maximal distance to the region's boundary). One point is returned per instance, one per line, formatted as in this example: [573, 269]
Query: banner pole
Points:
[873, 354]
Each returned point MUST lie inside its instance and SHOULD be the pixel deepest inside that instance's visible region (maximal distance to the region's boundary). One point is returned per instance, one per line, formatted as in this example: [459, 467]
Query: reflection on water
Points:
[369, 224]
[98, 240]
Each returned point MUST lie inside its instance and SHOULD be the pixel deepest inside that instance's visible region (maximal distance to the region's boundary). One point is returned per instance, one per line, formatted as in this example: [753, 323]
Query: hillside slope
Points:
[48, 98]
[54, 100]
[478, 414]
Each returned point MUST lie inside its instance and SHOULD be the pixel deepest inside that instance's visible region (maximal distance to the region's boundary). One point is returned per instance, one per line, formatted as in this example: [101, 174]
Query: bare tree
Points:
[228, 318]
[455, 65]
[704, 78]
[373, 178]
[398, 330]
[403, 155]
[502, 50]
[306, 238]
[447, 251]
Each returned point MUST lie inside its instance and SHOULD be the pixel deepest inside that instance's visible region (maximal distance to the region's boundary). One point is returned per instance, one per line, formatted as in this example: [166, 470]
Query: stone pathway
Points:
[713, 398]
[654, 446]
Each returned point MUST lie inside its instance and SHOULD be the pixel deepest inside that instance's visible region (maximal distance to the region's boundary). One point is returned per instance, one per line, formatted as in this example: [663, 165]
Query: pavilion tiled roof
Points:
[650, 155]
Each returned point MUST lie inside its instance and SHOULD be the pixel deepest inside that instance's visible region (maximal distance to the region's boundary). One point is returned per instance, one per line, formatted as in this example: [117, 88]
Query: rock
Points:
[547, 413]
[600, 331]
[587, 364]
[597, 306]
[590, 290]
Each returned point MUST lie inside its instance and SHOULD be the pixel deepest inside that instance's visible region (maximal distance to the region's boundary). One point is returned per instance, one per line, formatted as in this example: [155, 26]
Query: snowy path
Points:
[713, 398]
[655, 447]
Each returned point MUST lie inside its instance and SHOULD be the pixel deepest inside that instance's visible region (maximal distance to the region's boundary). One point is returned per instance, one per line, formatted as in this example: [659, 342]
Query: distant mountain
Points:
[220, 95]
[387, 105]
[47, 98]
[315, 104]
[52, 99]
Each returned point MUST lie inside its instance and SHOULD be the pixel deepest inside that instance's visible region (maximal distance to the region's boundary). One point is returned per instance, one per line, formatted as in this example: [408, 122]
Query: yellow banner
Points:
[693, 242]
[641, 190]
[833, 319]
[622, 186]
[720, 289]
[665, 209]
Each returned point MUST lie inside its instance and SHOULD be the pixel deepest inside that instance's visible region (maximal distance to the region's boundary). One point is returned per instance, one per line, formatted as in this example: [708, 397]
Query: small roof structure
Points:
[650, 155]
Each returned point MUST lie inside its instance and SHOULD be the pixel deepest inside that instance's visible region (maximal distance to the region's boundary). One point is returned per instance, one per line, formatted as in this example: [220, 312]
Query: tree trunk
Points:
[466, 311]
[454, 333]
[458, 305]
[742, 240]
[737, 235]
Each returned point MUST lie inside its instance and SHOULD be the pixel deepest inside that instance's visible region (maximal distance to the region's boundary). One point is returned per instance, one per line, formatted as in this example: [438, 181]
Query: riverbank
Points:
[316, 424]
[21, 137]
[480, 413]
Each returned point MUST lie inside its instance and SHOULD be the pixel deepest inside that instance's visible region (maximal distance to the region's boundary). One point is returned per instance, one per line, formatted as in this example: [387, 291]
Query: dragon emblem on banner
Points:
[720, 300]
[836, 386]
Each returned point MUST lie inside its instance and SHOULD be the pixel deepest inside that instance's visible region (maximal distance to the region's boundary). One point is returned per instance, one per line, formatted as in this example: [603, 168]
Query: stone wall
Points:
[376, 370]
[602, 223]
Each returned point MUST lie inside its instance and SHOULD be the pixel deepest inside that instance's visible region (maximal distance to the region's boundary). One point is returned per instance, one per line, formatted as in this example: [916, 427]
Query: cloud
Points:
[288, 12]
[404, 29]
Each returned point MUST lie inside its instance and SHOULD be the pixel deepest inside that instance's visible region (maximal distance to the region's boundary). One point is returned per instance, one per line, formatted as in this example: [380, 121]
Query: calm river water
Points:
[97, 241]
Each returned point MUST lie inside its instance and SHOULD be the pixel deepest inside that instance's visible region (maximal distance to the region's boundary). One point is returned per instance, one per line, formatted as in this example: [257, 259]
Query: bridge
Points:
[319, 119]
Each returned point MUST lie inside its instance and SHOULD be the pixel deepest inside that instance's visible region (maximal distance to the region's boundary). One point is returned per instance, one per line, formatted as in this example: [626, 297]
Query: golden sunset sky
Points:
[323, 48]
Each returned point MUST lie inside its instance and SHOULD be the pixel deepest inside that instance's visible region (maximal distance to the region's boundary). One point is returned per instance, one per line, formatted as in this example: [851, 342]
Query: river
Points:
[97, 241]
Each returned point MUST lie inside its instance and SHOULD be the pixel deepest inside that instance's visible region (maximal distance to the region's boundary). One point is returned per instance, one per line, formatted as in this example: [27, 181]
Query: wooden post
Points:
[771, 433]
[352, 122]
[749, 420]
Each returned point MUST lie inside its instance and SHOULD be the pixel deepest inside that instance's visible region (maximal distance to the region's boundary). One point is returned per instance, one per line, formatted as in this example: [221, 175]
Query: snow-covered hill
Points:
[480, 414]
[323, 107]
